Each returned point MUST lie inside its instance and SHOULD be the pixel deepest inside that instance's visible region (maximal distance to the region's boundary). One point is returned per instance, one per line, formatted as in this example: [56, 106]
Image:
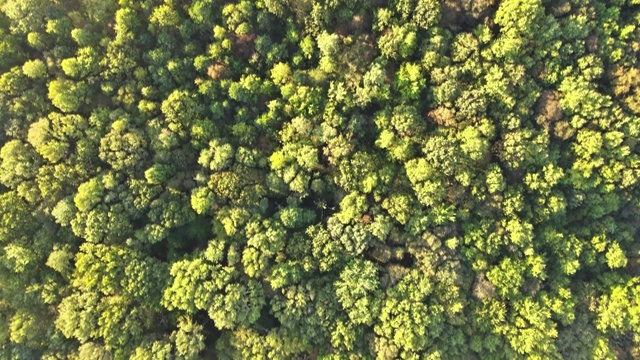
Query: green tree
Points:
[35, 69]
[358, 291]
[19, 163]
[410, 81]
[399, 43]
[67, 95]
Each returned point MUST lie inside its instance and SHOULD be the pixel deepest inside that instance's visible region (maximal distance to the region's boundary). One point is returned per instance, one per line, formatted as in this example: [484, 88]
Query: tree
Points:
[188, 338]
[202, 200]
[508, 276]
[10, 52]
[89, 194]
[19, 163]
[403, 339]
[35, 69]
[410, 82]
[399, 42]
[86, 62]
[358, 293]
[352, 208]
[180, 110]
[67, 95]
[534, 333]
[615, 312]
[123, 148]
[281, 73]
[244, 302]
[519, 22]
[374, 85]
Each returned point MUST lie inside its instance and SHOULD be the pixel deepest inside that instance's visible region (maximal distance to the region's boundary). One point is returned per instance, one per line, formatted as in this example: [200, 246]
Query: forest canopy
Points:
[332, 179]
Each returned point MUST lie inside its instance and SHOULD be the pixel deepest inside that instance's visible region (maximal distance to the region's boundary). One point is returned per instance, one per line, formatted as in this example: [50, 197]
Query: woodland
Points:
[319, 179]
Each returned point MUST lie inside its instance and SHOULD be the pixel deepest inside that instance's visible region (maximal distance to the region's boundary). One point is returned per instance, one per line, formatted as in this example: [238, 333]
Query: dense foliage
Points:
[333, 179]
